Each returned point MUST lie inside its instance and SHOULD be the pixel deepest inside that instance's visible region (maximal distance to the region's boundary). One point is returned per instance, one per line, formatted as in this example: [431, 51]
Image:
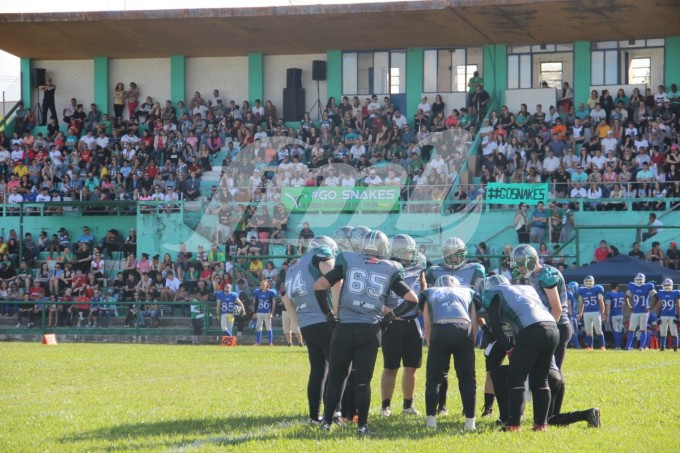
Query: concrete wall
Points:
[275, 79]
[152, 76]
[73, 78]
[229, 75]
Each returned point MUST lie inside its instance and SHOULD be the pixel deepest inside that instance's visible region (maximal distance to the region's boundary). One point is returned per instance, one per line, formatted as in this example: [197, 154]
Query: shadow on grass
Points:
[189, 434]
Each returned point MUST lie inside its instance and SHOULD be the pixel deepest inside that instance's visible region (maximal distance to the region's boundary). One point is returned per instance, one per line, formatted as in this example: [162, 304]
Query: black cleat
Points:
[488, 411]
[363, 431]
[593, 418]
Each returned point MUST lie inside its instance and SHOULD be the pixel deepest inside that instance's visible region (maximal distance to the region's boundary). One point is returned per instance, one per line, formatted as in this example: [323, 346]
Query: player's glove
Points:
[386, 321]
[510, 352]
[331, 320]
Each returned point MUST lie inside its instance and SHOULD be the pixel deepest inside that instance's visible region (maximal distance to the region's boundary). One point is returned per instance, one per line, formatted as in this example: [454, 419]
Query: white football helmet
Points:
[447, 281]
[639, 279]
[454, 253]
[589, 281]
[667, 284]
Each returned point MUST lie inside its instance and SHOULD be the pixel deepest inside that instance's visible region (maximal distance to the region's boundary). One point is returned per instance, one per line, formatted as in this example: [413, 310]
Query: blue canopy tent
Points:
[621, 269]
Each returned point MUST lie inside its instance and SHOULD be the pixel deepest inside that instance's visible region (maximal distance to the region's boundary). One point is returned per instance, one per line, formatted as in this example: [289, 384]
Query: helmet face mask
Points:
[356, 238]
[403, 249]
[454, 253]
[447, 281]
[667, 284]
[589, 281]
[639, 279]
[523, 260]
[375, 243]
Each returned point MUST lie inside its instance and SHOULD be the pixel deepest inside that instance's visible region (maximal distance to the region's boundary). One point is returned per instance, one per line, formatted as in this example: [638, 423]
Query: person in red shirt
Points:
[82, 307]
[152, 170]
[37, 292]
[602, 252]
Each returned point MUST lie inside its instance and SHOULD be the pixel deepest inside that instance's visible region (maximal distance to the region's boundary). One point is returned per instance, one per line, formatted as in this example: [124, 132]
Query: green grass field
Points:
[107, 397]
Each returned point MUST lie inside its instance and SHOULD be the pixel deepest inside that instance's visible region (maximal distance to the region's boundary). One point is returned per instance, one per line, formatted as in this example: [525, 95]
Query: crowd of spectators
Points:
[615, 148]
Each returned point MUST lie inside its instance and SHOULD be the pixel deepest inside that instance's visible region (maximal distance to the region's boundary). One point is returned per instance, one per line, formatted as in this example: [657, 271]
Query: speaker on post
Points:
[38, 77]
[294, 78]
[318, 70]
[293, 104]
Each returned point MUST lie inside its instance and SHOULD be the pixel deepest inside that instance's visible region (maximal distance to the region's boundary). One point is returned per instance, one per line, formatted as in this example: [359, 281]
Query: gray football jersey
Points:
[300, 279]
[366, 286]
[468, 274]
[550, 277]
[412, 279]
[520, 305]
[447, 302]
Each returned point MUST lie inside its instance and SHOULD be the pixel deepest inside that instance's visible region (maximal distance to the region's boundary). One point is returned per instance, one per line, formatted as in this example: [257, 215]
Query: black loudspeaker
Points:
[294, 78]
[293, 104]
[38, 77]
[318, 70]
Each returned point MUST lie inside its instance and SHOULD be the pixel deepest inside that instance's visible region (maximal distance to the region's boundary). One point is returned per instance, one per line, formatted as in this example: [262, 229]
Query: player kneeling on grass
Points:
[670, 306]
[555, 415]
[591, 298]
[301, 304]
[450, 329]
[403, 341]
[368, 277]
[228, 306]
[536, 338]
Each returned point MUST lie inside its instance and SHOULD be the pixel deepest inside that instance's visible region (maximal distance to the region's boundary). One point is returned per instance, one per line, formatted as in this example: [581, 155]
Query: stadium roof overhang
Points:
[318, 28]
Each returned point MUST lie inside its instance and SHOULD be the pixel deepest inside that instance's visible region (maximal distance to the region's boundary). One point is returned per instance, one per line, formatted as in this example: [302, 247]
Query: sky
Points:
[9, 64]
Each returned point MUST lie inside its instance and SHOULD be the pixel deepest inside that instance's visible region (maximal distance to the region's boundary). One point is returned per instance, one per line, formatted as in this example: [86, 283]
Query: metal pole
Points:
[21, 232]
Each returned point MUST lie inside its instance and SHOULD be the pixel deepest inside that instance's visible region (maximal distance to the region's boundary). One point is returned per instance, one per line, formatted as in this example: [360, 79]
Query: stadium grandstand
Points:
[148, 165]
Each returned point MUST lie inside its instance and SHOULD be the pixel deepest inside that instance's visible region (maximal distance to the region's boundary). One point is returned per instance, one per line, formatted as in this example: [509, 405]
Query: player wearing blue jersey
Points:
[637, 299]
[449, 316]
[572, 291]
[265, 306]
[591, 298]
[521, 310]
[301, 303]
[549, 284]
[670, 309]
[228, 304]
[403, 341]
[615, 300]
[367, 279]
[454, 262]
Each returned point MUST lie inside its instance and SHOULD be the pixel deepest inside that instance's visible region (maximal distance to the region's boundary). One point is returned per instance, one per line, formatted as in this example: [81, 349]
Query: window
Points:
[448, 70]
[640, 71]
[381, 72]
[551, 73]
[635, 61]
[530, 66]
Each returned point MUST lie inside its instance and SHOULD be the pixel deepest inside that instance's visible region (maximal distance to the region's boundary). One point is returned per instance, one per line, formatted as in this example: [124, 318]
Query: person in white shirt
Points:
[438, 164]
[297, 180]
[640, 143]
[258, 110]
[14, 198]
[5, 156]
[660, 96]
[598, 159]
[609, 143]
[578, 191]
[392, 179]
[170, 196]
[171, 287]
[331, 179]
[373, 179]
[88, 139]
[399, 120]
[425, 106]
[260, 134]
[597, 114]
[357, 150]
[130, 137]
[102, 140]
[17, 154]
[212, 102]
[486, 132]
[550, 164]
[347, 180]
[43, 196]
[374, 108]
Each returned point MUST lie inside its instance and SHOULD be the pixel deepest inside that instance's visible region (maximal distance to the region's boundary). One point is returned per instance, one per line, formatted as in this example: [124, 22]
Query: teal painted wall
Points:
[177, 78]
[255, 76]
[26, 83]
[581, 71]
[334, 74]
[672, 61]
[101, 83]
[414, 81]
[495, 72]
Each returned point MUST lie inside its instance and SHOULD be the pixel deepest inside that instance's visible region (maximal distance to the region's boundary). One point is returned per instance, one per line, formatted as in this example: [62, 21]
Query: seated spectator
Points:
[654, 229]
[673, 256]
[636, 252]
[655, 254]
[603, 251]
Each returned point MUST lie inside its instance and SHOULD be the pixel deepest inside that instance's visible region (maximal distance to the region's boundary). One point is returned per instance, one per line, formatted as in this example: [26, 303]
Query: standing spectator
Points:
[475, 81]
[539, 222]
[567, 222]
[522, 224]
[49, 90]
[305, 235]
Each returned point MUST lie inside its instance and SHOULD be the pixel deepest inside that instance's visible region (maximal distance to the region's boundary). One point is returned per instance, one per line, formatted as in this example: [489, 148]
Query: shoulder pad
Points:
[549, 277]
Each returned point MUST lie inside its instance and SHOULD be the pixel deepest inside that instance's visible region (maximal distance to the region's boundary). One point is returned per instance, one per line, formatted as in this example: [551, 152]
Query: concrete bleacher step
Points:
[195, 205]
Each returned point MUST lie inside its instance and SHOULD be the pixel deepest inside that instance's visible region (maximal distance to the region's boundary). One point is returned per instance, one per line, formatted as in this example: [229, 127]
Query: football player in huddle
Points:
[367, 279]
[403, 341]
[301, 303]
